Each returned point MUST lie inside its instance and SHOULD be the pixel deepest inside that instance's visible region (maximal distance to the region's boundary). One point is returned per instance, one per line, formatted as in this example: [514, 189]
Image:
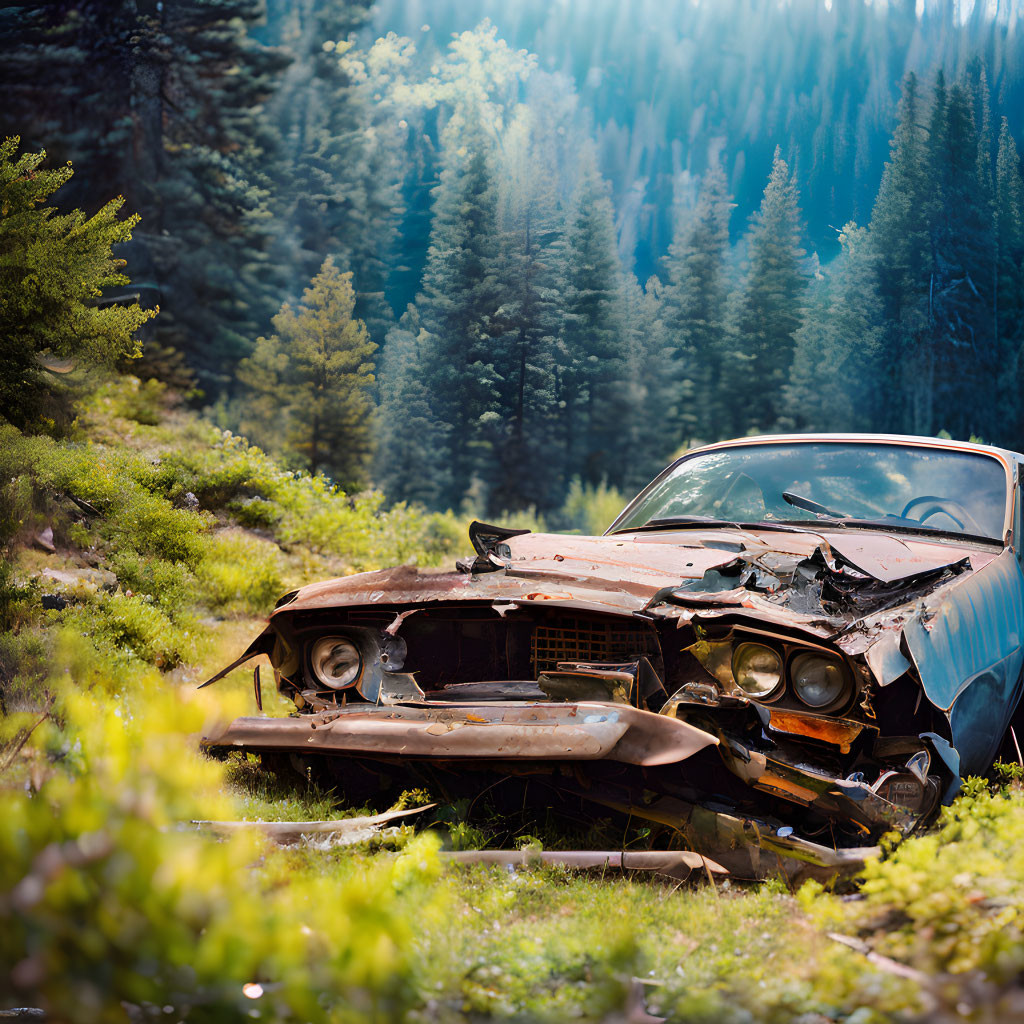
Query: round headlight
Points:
[818, 681]
[757, 669]
[336, 662]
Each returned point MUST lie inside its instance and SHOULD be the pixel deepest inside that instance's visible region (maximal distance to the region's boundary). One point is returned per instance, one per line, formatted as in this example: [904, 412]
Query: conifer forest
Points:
[549, 242]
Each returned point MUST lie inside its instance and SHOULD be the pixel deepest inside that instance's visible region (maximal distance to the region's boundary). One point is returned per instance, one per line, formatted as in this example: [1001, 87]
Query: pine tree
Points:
[338, 188]
[161, 101]
[319, 366]
[52, 269]
[411, 442]
[1009, 195]
[769, 310]
[837, 379]
[1009, 297]
[694, 313]
[481, 300]
[460, 297]
[201, 85]
[520, 471]
[657, 392]
[594, 388]
[994, 358]
[900, 230]
[962, 279]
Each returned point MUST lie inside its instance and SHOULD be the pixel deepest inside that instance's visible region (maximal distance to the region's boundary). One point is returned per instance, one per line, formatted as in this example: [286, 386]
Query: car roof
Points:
[938, 442]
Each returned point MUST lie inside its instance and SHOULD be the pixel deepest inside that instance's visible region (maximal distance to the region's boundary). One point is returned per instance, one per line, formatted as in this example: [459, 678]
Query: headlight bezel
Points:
[841, 696]
[716, 651]
[777, 689]
[322, 649]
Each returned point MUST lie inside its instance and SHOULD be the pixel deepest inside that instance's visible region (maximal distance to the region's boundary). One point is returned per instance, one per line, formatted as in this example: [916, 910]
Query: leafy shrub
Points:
[107, 897]
[124, 626]
[170, 533]
[304, 511]
[953, 893]
[24, 660]
[217, 472]
[116, 484]
[137, 400]
[241, 571]
[170, 584]
[589, 509]
[17, 598]
[15, 503]
[255, 513]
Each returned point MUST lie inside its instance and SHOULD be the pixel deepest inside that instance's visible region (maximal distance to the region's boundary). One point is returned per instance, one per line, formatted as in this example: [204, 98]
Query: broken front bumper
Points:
[496, 735]
[493, 732]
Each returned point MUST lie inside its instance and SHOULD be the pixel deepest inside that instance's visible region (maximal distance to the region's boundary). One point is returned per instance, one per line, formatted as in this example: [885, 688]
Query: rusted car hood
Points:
[637, 572]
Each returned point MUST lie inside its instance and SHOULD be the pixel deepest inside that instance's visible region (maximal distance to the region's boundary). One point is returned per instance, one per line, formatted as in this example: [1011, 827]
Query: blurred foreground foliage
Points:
[110, 897]
[120, 542]
[135, 544]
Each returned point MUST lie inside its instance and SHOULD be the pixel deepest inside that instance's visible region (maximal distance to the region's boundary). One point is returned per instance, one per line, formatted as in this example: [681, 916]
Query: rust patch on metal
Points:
[786, 787]
[838, 731]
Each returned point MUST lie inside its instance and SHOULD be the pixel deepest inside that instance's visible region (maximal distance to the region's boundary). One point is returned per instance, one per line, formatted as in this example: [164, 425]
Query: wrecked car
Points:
[782, 648]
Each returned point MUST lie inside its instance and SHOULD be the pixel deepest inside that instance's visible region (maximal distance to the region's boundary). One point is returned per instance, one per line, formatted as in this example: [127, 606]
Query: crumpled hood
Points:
[657, 559]
[712, 569]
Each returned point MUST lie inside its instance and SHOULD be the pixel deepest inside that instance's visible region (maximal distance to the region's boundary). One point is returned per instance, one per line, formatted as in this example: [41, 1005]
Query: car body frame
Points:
[772, 692]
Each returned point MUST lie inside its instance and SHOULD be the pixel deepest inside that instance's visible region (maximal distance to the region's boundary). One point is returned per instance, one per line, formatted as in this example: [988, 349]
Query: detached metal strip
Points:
[290, 830]
[263, 644]
[677, 863]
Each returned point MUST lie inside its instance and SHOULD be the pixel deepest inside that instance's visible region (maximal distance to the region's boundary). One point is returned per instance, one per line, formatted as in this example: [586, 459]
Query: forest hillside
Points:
[294, 289]
[566, 243]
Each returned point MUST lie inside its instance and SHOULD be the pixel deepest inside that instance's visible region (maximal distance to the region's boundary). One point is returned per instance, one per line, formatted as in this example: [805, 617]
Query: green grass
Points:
[261, 795]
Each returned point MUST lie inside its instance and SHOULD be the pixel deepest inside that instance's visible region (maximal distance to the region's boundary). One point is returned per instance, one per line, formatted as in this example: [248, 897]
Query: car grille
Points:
[578, 638]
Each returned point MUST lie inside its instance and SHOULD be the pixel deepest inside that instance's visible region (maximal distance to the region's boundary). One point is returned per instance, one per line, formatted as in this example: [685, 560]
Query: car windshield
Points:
[899, 486]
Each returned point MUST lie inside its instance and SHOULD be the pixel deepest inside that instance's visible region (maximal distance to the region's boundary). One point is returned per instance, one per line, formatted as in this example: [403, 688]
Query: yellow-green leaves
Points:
[107, 894]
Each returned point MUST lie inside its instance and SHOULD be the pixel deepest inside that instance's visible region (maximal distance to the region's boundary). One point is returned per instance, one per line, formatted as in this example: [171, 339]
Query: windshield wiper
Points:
[681, 522]
[891, 525]
[802, 526]
[822, 511]
[900, 526]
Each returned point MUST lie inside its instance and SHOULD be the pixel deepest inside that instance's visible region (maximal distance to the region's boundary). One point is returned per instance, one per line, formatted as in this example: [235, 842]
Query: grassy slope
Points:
[185, 539]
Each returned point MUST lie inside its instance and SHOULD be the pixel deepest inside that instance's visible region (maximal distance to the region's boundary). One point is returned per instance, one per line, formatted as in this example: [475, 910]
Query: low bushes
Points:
[113, 908]
[949, 902]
